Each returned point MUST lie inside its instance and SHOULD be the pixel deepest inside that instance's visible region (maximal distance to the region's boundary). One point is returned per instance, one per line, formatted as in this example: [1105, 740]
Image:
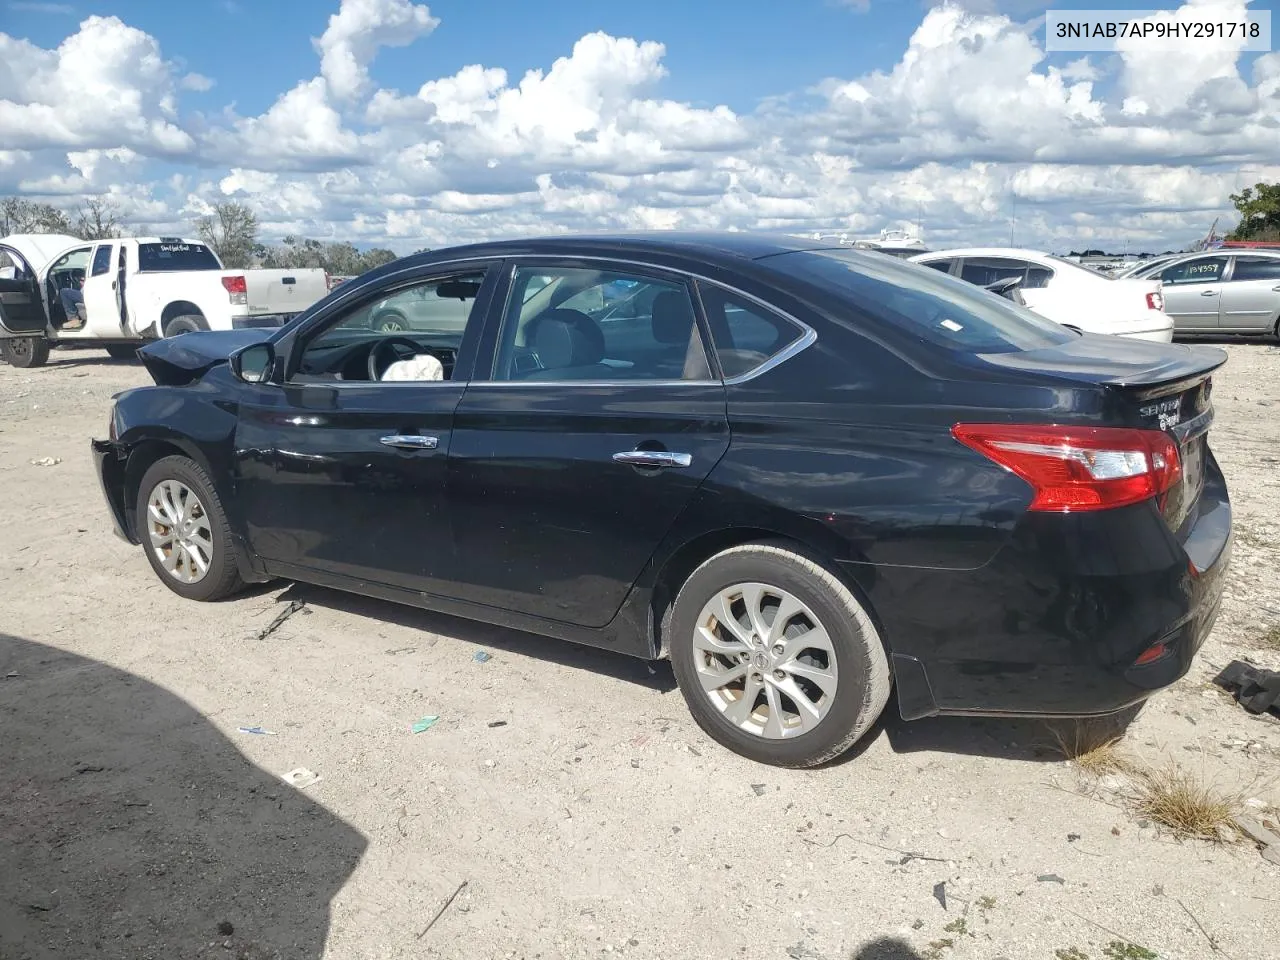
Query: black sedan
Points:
[807, 475]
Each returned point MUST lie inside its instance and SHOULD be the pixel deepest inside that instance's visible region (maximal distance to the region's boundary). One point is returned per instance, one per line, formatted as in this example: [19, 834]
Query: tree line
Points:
[231, 231]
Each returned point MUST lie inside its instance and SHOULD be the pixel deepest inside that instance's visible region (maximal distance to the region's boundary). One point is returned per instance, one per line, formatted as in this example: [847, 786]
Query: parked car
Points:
[1221, 292]
[1064, 291]
[1141, 266]
[805, 474]
[135, 289]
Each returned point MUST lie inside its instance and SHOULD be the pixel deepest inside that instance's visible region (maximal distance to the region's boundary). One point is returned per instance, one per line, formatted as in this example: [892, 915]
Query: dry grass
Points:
[1092, 745]
[1270, 638]
[1184, 803]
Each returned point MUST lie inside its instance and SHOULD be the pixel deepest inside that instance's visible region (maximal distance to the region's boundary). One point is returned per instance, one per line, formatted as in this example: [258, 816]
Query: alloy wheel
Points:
[178, 526]
[765, 661]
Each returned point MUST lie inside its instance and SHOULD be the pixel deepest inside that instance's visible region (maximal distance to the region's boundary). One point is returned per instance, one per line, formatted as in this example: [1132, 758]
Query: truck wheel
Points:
[187, 323]
[27, 352]
[776, 658]
[122, 351]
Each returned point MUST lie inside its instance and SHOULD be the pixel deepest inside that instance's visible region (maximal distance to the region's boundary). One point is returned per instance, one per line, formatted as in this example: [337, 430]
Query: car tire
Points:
[840, 670]
[27, 352]
[122, 351]
[390, 323]
[206, 531]
[186, 323]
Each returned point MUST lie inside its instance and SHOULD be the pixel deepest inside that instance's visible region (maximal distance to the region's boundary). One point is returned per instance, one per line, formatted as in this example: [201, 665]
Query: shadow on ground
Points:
[656, 676]
[886, 948]
[130, 827]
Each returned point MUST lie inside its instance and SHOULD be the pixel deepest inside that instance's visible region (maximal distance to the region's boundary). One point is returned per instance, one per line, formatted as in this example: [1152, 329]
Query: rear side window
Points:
[1195, 271]
[1257, 268]
[101, 259]
[176, 256]
[943, 310]
[985, 270]
[942, 266]
[745, 334]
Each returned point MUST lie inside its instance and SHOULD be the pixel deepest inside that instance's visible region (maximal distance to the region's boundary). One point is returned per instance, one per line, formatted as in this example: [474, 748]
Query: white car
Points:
[1063, 291]
[134, 289]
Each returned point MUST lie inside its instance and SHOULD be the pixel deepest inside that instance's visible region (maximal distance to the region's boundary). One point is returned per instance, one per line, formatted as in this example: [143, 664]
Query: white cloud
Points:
[196, 81]
[970, 119]
[355, 33]
[104, 86]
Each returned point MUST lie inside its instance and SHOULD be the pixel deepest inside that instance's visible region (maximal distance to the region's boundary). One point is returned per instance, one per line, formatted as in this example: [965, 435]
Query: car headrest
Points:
[672, 317]
[567, 338]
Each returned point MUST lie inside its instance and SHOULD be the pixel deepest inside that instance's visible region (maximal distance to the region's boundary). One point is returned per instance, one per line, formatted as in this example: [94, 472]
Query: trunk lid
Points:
[1164, 387]
[175, 361]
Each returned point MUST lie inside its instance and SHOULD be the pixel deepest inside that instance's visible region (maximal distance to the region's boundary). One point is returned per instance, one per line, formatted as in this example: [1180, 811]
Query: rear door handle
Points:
[410, 441]
[658, 459]
[1209, 293]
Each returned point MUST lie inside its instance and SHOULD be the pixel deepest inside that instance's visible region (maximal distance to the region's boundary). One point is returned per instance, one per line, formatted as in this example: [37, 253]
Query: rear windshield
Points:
[176, 256]
[939, 308]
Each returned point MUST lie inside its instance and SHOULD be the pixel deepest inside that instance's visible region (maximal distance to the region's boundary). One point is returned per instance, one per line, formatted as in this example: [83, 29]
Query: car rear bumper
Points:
[1163, 334]
[110, 458]
[1054, 625]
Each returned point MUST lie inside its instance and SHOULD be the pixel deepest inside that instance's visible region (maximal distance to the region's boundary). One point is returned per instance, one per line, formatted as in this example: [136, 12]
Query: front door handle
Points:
[410, 441]
[1209, 293]
[658, 459]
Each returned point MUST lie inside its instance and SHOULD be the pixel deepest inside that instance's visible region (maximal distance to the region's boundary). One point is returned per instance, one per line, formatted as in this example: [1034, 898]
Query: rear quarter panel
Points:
[155, 291]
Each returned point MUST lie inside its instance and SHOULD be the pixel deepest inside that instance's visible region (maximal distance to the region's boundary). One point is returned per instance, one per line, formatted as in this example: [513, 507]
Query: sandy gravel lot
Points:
[137, 821]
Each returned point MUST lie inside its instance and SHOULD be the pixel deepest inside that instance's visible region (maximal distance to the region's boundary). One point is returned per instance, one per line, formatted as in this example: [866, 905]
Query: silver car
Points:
[1221, 291]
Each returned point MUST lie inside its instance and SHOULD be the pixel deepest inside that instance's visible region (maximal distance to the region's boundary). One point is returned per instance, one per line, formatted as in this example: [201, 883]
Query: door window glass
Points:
[746, 335]
[412, 332]
[101, 260]
[1195, 271]
[578, 324]
[985, 270]
[1257, 268]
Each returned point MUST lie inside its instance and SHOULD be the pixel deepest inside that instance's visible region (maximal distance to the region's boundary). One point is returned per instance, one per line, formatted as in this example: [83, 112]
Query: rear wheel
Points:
[184, 531]
[776, 658]
[390, 323]
[27, 352]
[122, 351]
[186, 323]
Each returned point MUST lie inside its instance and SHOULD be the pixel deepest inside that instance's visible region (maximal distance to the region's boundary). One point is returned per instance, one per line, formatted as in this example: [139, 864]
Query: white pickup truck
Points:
[135, 289]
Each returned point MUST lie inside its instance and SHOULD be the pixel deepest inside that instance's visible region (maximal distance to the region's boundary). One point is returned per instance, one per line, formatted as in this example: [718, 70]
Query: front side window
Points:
[580, 324]
[101, 260]
[1257, 268]
[1207, 270]
[410, 332]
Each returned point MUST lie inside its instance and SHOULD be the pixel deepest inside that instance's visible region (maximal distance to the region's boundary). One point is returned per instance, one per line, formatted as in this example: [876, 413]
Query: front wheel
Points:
[776, 658]
[184, 531]
[27, 352]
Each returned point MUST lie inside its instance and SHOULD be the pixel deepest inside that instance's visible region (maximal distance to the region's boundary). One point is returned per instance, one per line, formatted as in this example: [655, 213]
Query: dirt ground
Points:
[136, 820]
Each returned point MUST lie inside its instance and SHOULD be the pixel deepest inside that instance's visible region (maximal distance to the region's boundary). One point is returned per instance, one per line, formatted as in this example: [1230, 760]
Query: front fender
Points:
[196, 421]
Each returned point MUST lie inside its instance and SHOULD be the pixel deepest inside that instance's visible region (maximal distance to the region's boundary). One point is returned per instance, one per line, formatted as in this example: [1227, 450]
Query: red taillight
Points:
[1155, 301]
[1072, 469]
[237, 289]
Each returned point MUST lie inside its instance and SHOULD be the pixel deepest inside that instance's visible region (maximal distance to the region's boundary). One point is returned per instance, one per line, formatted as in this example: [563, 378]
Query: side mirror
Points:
[253, 363]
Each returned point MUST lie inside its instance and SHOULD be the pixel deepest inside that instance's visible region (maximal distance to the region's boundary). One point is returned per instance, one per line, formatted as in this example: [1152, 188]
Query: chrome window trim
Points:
[807, 338]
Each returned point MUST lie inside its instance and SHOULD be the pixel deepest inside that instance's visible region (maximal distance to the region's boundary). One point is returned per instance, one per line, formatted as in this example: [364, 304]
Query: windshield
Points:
[176, 256]
[941, 309]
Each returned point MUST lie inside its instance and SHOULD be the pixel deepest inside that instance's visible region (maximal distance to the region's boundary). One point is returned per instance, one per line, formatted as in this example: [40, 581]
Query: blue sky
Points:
[758, 113]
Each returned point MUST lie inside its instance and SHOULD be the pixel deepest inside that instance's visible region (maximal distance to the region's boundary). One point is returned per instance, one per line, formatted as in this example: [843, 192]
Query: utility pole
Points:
[1013, 220]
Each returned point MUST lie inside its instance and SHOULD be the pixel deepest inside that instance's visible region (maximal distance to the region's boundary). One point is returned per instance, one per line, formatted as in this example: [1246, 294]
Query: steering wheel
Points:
[399, 344]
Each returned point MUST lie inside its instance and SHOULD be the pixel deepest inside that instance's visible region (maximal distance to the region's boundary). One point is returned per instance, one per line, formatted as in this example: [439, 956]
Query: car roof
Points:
[39, 249]
[1020, 252]
[740, 244]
